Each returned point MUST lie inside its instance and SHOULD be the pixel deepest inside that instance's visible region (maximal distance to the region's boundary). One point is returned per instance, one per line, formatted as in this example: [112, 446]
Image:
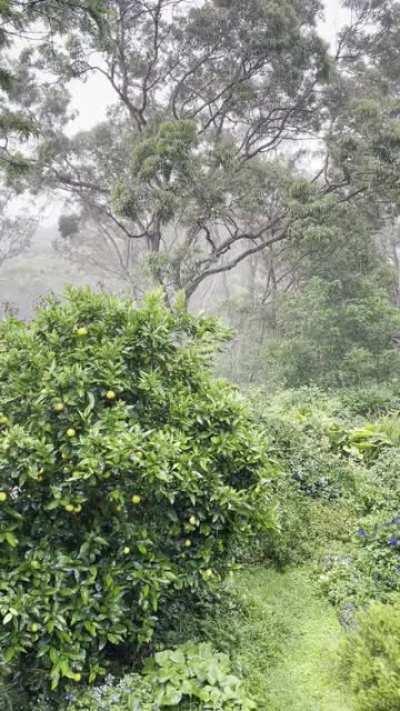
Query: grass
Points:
[286, 643]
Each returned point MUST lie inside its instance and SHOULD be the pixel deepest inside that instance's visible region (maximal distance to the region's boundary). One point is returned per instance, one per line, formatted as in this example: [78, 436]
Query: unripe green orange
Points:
[136, 499]
[110, 395]
[70, 508]
[71, 432]
[58, 407]
[127, 550]
[3, 496]
[193, 520]
[82, 331]
[35, 627]
[188, 543]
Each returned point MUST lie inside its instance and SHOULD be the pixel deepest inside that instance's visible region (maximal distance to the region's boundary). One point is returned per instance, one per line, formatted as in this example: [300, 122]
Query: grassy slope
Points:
[287, 643]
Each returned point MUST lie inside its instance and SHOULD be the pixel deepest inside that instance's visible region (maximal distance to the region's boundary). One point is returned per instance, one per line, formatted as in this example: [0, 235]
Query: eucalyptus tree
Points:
[213, 99]
[27, 23]
[25, 100]
[201, 162]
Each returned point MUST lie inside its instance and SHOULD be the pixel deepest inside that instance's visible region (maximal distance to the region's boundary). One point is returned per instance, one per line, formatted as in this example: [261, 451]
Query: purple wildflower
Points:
[362, 533]
[393, 541]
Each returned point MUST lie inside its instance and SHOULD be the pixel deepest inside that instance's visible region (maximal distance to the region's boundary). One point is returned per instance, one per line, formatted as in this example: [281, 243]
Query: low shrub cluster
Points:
[192, 677]
[370, 661]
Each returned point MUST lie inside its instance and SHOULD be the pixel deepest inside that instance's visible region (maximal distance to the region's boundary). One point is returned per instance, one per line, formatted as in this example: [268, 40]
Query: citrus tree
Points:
[126, 473]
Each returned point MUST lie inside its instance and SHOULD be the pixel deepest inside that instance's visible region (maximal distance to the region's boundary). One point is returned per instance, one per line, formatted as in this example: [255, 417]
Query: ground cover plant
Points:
[371, 659]
[127, 473]
[191, 677]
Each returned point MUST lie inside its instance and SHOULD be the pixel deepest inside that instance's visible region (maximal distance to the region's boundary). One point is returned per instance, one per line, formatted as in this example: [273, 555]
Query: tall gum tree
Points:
[201, 161]
[212, 97]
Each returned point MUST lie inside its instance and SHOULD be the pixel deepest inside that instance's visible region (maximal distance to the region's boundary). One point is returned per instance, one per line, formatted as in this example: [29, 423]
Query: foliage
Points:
[165, 167]
[192, 676]
[373, 400]
[370, 570]
[333, 338]
[370, 567]
[127, 475]
[370, 658]
[68, 225]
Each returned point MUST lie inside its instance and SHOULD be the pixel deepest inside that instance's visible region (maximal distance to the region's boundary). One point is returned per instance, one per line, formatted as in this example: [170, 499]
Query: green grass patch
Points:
[287, 639]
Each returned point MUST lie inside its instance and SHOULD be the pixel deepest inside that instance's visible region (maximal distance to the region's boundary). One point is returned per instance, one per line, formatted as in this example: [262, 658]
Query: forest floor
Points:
[288, 642]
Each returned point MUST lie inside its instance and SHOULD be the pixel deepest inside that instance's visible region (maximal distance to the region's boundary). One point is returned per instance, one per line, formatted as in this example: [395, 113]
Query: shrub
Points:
[126, 474]
[372, 400]
[193, 676]
[371, 570]
[370, 659]
[379, 485]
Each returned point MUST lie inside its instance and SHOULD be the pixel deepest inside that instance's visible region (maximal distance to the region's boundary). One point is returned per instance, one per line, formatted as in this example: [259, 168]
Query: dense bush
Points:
[126, 475]
[371, 659]
[192, 677]
[335, 336]
[379, 485]
[370, 570]
[371, 400]
[304, 440]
